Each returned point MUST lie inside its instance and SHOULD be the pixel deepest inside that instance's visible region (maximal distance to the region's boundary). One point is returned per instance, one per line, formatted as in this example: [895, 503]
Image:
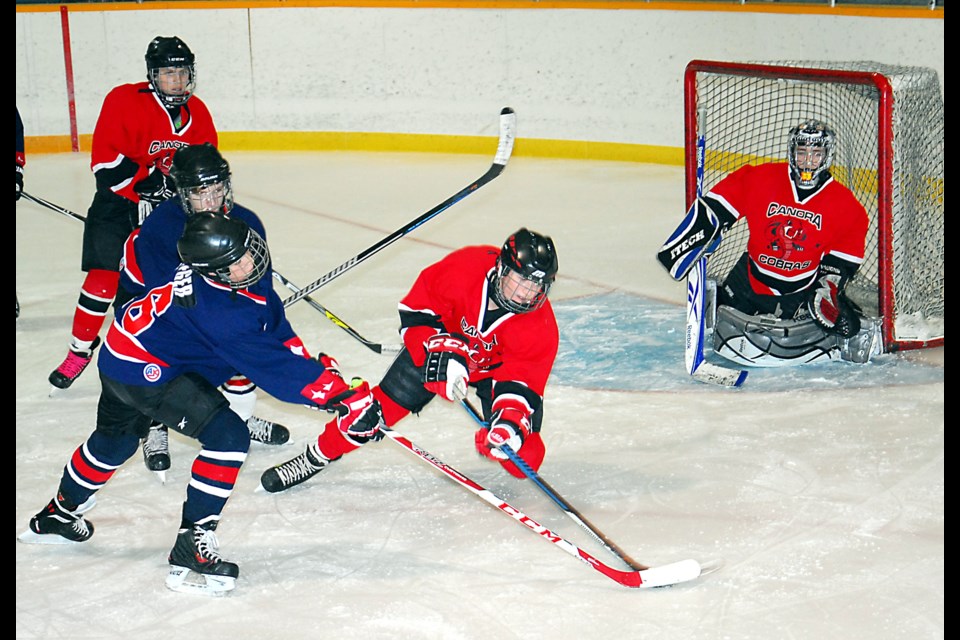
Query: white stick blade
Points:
[669, 574]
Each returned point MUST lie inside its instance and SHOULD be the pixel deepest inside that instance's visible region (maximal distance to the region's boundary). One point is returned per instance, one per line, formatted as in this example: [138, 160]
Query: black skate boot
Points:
[72, 366]
[294, 471]
[58, 524]
[267, 432]
[196, 565]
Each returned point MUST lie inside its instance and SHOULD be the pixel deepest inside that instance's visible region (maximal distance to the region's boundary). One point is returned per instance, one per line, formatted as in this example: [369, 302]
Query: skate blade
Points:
[161, 476]
[183, 580]
[32, 537]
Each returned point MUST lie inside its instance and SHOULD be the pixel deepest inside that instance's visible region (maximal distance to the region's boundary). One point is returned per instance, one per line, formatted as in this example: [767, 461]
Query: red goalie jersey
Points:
[135, 127]
[791, 233]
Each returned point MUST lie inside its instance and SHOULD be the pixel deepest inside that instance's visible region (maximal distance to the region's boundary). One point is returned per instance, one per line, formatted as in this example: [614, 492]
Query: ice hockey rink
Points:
[818, 491]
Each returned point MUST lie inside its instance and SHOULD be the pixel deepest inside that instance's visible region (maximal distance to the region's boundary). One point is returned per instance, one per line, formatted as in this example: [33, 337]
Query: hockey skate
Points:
[196, 565]
[294, 471]
[74, 364]
[156, 451]
[863, 346]
[267, 432]
[55, 524]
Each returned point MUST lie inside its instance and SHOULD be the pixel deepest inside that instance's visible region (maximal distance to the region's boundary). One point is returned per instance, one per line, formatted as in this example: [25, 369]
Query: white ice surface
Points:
[821, 490]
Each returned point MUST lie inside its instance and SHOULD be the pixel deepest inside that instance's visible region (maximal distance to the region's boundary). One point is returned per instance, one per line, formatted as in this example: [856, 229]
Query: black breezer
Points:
[110, 220]
[186, 404]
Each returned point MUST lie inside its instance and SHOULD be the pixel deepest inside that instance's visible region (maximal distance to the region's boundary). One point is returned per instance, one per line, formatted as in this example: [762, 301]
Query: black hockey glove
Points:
[19, 181]
[155, 188]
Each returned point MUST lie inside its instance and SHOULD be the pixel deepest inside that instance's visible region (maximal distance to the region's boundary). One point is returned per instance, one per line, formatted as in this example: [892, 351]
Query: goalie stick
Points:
[508, 125]
[696, 363]
[376, 347]
[551, 493]
[661, 576]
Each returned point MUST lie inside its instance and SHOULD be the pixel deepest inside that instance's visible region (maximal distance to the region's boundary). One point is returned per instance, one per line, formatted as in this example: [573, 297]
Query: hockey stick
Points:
[661, 576]
[565, 506]
[697, 366]
[373, 346]
[508, 122]
[53, 207]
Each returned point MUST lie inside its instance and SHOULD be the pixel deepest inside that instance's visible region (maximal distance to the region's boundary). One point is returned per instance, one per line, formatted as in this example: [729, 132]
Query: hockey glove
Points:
[359, 415]
[509, 428]
[330, 364]
[19, 181]
[153, 190]
[830, 308]
[445, 369]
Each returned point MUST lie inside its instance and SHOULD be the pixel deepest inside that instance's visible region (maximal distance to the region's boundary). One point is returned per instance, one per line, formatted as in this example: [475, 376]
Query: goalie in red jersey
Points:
[783, 303]
[479, 317]
[139, 128]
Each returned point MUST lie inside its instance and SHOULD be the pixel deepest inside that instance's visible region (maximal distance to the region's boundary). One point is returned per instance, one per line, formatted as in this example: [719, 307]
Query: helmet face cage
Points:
[213, 196]
[517, 293]
[170, 53]
[202, 178]
[256, 247]
[526, 269]
[816, 134]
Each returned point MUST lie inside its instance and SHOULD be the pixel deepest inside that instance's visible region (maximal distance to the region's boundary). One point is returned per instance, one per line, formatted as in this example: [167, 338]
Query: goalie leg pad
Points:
[697, 236]
[765, 341]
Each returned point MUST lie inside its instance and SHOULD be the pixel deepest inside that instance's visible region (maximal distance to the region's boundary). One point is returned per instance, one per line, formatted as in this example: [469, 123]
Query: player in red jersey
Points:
[479, 317]
[139, 128]
[783, 302]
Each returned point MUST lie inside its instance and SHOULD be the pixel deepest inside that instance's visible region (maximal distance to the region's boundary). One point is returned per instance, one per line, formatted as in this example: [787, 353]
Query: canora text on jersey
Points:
[777, 209]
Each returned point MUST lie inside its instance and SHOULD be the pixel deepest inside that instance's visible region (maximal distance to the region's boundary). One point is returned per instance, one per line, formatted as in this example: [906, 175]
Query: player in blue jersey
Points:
[164, 357]
[203, 183]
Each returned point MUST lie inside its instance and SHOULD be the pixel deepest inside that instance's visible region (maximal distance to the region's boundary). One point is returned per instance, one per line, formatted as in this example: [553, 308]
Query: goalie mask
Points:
[202, 177]
[224, 249]
[810, 152]
[526, 268]
[171, 70]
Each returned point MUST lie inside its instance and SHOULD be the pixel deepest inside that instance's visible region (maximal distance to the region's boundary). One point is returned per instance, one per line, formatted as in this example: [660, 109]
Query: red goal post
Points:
[890, 153]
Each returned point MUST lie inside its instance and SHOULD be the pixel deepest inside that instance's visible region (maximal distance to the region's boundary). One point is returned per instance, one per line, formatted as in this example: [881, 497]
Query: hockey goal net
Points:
[890, 152]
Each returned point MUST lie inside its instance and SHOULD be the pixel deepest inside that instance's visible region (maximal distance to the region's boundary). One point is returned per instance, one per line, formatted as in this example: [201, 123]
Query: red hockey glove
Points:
[510, 428]
[359, 415]
[445, 369]
[330, 364]
[830, 310]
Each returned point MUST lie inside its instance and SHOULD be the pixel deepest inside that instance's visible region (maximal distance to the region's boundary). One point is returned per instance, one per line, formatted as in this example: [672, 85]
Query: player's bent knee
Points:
[402, 384]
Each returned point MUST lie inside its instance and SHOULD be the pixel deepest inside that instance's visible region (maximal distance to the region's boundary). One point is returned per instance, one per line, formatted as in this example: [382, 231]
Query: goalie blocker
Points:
[697, 237]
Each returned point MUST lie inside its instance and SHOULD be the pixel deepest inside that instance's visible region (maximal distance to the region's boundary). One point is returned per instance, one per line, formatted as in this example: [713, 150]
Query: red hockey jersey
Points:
[789, 236]
[134, 125]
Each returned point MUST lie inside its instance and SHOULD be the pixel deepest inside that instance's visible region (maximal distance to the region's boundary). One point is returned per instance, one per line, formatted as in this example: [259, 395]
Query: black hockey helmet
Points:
[202, 177]
[170, 52]
[212, 242]
[533, 258]
[810, 133]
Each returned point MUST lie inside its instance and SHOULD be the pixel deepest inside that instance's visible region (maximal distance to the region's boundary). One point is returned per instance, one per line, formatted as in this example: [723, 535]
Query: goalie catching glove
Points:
[510, 427]
[445, 368]
[830, 308]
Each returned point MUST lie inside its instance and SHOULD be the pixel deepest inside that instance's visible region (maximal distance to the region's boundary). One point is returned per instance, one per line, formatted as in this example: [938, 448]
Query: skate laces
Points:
[260, 430]
[157, 441]
[208, 547]
[74, 364]
[298, 469]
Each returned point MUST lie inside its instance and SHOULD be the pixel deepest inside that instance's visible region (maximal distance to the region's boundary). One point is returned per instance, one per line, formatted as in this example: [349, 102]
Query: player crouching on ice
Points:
[783, 303]
[478, 317]
[165, 355]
